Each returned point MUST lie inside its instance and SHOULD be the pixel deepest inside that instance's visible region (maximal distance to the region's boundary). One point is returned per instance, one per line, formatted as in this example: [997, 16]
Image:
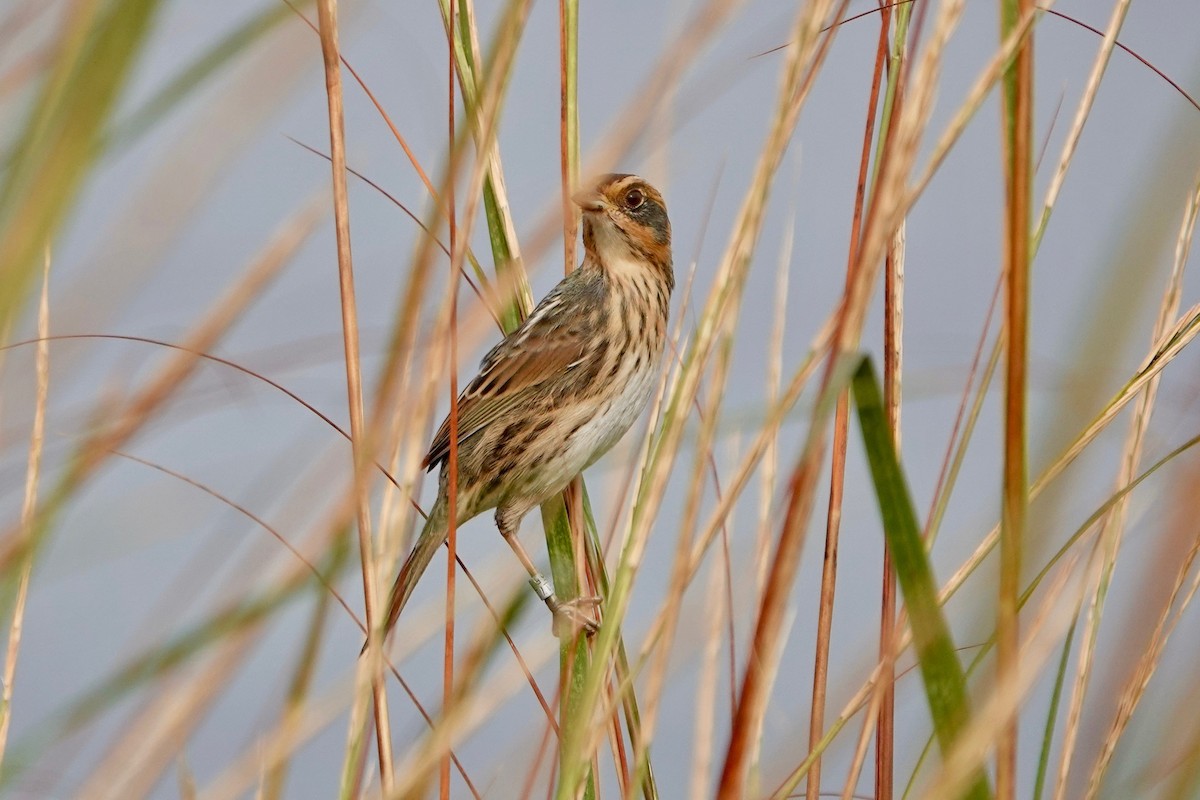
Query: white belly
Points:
[605, 428]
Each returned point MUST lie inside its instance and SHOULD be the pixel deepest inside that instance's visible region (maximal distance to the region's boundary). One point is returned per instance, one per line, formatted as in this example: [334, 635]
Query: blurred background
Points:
[192, 185]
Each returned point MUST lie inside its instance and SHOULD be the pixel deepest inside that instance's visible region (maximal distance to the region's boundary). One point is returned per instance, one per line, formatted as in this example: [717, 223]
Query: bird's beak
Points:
[590, 200]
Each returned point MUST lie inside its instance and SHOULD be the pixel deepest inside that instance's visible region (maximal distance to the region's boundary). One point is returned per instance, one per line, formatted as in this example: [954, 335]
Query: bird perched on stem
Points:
[562, 388]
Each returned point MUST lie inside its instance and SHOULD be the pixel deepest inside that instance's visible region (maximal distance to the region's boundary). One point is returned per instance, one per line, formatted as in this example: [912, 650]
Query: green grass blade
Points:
[510, 273]
[1060, 677]
[643, 769]
[574, 656]
[941, 672]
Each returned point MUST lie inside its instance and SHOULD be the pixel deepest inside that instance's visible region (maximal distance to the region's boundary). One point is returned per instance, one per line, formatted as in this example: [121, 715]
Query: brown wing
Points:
[541, 349]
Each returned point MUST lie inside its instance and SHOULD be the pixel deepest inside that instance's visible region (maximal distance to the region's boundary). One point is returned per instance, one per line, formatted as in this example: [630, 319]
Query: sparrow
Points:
[562, 388]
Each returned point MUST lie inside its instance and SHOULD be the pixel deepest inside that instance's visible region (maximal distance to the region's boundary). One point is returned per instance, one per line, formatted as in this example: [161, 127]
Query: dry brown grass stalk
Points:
[703, 740]
[362, 452]
[33, 468]
[893, 362]
[1087, 100]
[1139, 681]
[833, 518]
[709, 414]
[770, 459]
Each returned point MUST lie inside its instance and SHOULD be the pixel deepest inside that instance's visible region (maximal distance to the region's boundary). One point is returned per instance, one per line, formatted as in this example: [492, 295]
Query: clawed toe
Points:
[575, 615]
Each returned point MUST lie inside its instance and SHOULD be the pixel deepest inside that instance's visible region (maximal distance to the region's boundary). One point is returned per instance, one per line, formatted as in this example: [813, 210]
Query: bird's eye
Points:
[634, 198]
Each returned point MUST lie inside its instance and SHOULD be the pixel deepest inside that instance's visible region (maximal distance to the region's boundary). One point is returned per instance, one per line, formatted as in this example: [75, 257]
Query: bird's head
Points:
[625, 220]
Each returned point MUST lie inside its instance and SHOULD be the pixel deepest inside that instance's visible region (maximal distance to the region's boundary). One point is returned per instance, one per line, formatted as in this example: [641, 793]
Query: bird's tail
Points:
[433, 534]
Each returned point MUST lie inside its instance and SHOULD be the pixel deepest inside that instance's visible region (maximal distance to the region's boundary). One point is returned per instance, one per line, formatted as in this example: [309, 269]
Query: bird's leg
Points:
[571, 612]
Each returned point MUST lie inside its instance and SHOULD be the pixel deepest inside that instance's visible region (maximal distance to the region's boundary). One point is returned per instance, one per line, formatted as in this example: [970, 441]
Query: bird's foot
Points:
[570, 616]
[573, 616]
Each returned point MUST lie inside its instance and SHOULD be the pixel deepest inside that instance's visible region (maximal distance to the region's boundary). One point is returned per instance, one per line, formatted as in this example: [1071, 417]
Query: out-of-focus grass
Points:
[603, 707]
[63, 133]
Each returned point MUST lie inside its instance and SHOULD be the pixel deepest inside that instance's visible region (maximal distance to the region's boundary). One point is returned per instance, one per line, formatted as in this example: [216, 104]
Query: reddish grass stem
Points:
[816, 724]
[893, 312]
[1019, 147]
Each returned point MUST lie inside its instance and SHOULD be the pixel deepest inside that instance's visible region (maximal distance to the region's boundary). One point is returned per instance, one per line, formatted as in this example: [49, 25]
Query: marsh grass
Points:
[1007, 689]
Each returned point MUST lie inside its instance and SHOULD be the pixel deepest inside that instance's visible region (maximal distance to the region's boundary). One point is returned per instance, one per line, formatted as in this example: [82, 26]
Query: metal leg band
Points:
[542, 587]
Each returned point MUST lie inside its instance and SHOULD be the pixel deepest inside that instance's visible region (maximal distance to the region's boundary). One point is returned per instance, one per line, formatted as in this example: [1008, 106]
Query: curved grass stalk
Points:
[129, 419]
